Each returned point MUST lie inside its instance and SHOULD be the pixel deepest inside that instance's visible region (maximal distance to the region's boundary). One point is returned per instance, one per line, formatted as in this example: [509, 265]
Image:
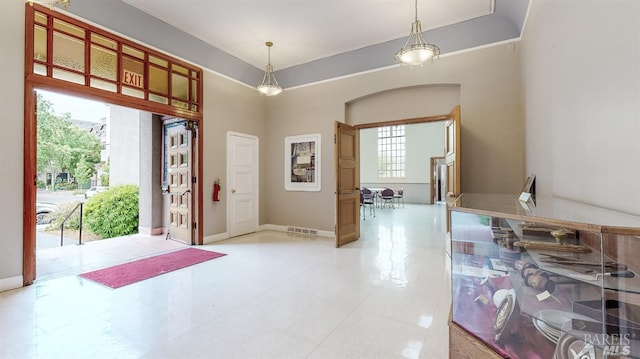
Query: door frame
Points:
[256, 170]
[30, 160]
[453, 115]
[358, 127]
[34, 81]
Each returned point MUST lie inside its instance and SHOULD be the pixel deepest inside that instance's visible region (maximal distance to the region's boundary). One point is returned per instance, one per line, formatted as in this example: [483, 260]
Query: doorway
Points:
[129, 161]
[451, 148]
[130, 75]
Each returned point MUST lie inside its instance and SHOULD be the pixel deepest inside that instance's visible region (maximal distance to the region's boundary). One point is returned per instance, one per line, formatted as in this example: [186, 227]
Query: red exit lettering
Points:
[132, 78]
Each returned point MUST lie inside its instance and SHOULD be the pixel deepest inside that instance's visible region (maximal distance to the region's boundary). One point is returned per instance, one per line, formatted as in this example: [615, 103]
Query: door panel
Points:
[178, 139]
[242, 161]
[347, 186]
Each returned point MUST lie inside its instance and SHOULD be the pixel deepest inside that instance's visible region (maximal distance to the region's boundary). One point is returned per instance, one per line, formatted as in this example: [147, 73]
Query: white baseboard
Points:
[11, 283]
[273, 227]
[327, 234]
[215, 238]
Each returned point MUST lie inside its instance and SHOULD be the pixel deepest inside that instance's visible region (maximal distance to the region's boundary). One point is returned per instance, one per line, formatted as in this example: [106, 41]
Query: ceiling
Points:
[305, 30]
[314, 40]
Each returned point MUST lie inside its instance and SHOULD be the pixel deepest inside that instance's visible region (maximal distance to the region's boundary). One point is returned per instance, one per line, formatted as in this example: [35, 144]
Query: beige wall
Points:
[12, 95]
[492, 135]
[581, 75]
[228, 106]
[403, 103]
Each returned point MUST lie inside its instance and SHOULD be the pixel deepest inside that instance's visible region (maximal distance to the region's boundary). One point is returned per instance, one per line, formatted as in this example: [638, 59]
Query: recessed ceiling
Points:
[305, 30]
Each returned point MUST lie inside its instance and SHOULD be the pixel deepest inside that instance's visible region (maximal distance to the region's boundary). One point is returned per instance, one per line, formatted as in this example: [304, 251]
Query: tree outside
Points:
[63, 147]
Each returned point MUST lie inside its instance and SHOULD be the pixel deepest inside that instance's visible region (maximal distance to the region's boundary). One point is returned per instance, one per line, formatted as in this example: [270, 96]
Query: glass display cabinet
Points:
[549, 278]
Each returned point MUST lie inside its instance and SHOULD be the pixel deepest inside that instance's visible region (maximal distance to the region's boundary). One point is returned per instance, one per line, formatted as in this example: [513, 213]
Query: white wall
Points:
[12, 95]
[124, 147]
[423, 141]
[368, 155]
[581, 75]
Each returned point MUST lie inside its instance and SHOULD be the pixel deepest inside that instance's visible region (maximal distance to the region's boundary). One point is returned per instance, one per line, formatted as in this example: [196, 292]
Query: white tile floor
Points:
[273, 296]
[56, 261]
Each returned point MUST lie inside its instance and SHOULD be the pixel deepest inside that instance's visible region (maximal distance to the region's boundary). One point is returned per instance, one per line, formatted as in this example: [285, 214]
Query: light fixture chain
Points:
[416, 50]
[269, 85]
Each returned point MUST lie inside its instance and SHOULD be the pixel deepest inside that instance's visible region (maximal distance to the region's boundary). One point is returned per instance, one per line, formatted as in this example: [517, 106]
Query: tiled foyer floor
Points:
[273, 296]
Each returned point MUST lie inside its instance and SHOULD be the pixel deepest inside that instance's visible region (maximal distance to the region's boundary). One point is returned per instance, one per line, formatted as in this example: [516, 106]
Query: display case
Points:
[548, 278]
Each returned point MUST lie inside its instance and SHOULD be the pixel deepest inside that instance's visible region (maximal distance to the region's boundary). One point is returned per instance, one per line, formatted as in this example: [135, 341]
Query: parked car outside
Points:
[93, 190]
[43, 211]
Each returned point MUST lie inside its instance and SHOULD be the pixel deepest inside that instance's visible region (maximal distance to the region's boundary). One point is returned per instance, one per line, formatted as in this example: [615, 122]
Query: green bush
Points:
[113, 213]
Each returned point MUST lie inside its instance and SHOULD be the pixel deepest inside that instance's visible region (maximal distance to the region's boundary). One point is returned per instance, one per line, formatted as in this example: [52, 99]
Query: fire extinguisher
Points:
[216, 191]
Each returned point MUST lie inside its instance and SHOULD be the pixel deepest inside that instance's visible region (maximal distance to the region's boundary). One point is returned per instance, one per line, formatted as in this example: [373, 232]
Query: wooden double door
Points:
[347, 163]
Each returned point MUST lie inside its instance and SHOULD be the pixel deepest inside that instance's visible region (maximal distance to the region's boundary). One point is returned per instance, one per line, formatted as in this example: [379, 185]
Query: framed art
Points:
[302, 163]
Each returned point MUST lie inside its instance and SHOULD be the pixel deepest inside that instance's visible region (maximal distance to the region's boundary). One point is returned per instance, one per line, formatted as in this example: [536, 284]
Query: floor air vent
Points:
[306, 231]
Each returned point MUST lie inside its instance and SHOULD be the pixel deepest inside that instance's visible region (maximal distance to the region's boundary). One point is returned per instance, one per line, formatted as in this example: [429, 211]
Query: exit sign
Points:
[131, 78]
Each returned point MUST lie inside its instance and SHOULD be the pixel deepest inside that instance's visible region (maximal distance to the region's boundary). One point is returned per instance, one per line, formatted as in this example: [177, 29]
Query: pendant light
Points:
[416, 50]
[269, 85]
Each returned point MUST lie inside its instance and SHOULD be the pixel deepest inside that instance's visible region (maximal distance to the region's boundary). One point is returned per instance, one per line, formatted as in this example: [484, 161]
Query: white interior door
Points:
[242, 179]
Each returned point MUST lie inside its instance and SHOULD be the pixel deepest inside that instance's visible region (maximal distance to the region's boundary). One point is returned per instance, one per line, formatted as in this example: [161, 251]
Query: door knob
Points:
[233, 191]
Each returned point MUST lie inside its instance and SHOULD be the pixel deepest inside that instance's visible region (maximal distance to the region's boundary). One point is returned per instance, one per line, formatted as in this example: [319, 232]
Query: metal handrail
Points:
[65, 220]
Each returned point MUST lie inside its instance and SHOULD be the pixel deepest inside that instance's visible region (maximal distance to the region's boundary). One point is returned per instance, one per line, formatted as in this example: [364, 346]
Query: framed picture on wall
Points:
[302, 163]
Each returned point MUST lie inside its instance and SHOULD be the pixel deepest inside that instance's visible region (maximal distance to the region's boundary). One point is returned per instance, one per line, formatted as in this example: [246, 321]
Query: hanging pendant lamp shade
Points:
[416, 50]
[269, 85]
